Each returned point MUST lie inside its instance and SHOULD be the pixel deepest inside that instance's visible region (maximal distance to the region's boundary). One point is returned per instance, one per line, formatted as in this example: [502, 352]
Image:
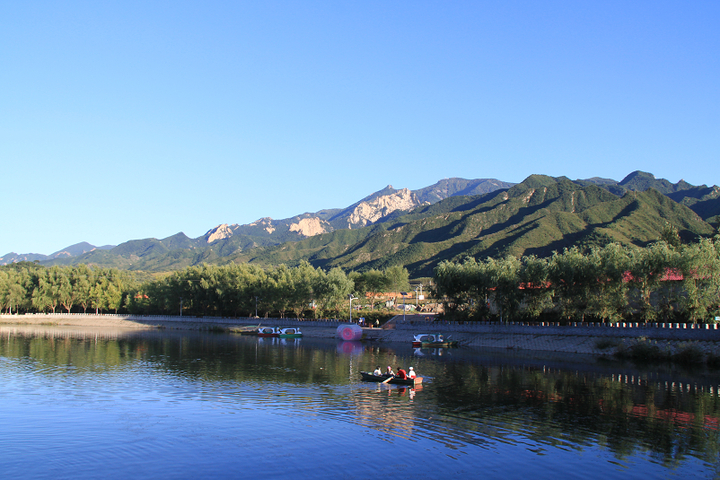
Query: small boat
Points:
[369, 377]
[290, 332]
[432, 340]
[268, 331]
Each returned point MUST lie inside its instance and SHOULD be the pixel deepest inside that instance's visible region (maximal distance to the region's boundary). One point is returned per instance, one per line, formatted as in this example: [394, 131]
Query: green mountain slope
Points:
[538, 216]
[703, 200]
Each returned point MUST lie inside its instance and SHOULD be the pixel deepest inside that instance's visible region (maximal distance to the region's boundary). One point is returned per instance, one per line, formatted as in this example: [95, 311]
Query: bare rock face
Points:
[218, 233]
[373, 210]
[266, 223]
[309, 227]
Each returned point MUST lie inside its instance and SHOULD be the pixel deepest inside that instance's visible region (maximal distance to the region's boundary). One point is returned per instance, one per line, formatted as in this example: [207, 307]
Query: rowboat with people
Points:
[370, 377]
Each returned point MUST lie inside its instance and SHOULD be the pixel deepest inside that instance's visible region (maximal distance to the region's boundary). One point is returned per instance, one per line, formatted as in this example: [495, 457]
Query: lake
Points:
[81, 402]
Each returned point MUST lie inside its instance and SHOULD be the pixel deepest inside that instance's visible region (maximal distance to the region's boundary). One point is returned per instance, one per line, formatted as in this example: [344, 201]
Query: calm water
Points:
[96, 403]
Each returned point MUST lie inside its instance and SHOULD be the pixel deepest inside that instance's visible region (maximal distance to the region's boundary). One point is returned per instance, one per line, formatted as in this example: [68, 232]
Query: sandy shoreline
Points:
[587, 345]
[76, 321]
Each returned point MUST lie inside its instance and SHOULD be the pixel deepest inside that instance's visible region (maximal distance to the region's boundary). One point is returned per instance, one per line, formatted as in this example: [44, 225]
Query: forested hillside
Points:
[535, 217]
[450, 220]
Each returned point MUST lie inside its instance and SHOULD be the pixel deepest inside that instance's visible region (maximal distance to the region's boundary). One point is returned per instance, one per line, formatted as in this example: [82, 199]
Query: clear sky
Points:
[127, 119]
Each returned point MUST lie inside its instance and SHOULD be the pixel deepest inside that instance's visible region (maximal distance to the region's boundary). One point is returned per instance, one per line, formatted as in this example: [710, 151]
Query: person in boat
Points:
[389, 371]
[401, 374]
[377, 372]
[411, 373]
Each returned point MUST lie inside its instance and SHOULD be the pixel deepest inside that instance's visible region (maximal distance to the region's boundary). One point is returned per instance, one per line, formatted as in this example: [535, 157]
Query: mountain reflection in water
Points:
[169, 404]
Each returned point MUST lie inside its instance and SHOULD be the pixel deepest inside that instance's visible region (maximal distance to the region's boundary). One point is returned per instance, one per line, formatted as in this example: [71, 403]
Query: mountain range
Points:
[419, 228]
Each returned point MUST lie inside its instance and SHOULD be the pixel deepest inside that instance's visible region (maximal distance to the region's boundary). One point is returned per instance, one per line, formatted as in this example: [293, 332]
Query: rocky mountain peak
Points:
[266, 223]
[367, 212]
[218, 233]
[308, 227]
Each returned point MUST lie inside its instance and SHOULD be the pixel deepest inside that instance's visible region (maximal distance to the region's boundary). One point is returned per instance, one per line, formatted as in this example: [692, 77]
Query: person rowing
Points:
[401, 374]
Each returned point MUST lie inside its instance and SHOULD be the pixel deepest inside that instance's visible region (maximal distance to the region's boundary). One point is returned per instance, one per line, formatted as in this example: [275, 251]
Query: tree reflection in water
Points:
[666, 414]
[625, 414]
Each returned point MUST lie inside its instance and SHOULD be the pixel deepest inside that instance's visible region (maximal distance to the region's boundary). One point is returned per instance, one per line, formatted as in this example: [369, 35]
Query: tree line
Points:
[232, 290]
[29, 288]
[666, 281]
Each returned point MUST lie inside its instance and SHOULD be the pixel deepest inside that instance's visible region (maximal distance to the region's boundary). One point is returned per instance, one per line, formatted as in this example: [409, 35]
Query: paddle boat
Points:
[290, 332]
[432, 340]
[268, 331]
[369, 377]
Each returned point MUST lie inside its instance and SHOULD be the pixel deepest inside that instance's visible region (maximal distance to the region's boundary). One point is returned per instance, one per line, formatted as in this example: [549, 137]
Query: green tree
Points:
[47, 293]
[609, 295]
[331, 290]
[301, 293]
[648, 268]
[700, 267]
[573, 277]
[536, 289]
[66, 289]
[370, 283]
[397, 278]
[504, 274]
[83, 277]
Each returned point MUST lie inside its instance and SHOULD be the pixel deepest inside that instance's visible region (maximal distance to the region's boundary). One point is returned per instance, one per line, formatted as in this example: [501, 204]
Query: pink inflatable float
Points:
[349, 332]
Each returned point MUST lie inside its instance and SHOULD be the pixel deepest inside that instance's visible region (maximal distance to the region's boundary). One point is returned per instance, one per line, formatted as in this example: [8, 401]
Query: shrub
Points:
[605, 343]
[713, 360]
[645, 352]
[689, 355]
[642, 351]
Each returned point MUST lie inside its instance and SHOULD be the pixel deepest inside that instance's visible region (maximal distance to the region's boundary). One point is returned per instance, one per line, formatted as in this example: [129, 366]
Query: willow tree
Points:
[504, 275]
[12, 290]
[82, 280]
[67, 292]
[573, 276]
[536, 289]
[648, 271]
[331, 290]
[369, 284]
[464, 287]
[700, 266]
[245, 285]
[609, 293]
[46, 294]
[397, 278]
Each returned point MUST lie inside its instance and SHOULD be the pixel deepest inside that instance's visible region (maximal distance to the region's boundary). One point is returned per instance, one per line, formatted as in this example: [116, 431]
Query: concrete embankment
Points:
[583, 339]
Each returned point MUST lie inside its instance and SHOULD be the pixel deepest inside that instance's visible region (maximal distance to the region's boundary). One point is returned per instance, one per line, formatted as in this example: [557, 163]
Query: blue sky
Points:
[128, 119]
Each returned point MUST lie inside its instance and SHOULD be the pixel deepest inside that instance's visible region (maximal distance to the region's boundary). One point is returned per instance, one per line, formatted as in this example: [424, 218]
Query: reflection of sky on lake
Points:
[185, 405]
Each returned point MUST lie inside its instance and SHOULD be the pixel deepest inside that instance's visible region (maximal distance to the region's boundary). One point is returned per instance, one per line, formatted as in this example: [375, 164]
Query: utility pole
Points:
[351, 299]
